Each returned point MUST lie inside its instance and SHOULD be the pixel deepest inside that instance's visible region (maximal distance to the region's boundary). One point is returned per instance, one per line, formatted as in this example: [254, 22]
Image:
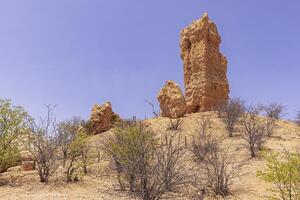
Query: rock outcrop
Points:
[102, 118]
[171, 100]
[206, 85]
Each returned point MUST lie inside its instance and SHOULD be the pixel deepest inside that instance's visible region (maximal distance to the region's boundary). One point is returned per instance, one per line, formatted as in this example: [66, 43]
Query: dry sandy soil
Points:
[101, 185]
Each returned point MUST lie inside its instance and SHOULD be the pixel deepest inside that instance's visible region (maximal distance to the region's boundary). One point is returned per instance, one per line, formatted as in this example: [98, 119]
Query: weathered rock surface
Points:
[27, 161]
[28, 165]
[102, 118]
[171, 100]
[206, 85]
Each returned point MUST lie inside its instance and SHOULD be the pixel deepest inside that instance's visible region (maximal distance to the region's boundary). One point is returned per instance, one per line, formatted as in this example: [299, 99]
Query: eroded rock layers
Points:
[206, 85]
[171, 100]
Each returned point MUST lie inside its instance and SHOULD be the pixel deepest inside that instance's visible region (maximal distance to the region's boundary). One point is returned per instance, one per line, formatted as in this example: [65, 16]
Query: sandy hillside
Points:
[100, 183]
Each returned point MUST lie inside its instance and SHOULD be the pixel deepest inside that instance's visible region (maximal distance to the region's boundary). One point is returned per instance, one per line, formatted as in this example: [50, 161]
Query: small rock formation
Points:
[206, 85]
[171, 100]
[102, 118]
[27, 161]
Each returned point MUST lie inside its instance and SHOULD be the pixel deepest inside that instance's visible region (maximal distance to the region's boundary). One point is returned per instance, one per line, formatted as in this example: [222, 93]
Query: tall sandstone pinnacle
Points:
[206, 85]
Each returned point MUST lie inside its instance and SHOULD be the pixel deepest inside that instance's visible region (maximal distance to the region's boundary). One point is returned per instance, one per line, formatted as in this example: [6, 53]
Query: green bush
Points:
[146, 167]
[80, 144]
[283, 171]
[14, 121]
[129, 147]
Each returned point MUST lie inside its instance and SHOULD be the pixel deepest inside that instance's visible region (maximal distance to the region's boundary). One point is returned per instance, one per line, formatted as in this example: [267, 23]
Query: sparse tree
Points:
[171, 155]
[203, 143]
[43, 145]
[218, 169]
[233, 110]
[67, 131]
[78, 155]
[273, 110]
[70, 162]
[253, 130]
[14, 121]
[81, 142]
[270, 126]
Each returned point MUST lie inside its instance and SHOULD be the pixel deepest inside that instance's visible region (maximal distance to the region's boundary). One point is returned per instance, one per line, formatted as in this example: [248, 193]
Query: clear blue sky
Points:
[75, 53]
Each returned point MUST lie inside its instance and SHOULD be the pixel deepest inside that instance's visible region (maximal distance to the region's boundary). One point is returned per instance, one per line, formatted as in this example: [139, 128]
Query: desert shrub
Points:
[203, 143]
[233, 110]
[175, 124]
[283, 173]
[14, 121]
[67, 131]
[150, 169]
[171, 156]
[130, 147]
[253, 132]
[70, 163]
[81, 143]
[43, 145]
[273, 110]
[216, 166]
[270, 126]
[77, 155]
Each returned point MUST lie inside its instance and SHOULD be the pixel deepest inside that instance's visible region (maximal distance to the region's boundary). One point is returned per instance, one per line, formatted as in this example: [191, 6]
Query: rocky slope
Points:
[100, 183]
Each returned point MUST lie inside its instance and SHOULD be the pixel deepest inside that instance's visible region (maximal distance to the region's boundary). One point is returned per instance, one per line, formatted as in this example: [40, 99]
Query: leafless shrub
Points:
[43, 145]
[273, 110]
[270, 126]
[253, 130]
[174, 172]
[175, 124]
[203, 143]
[218, 169]
[233, 110]
[154, 112]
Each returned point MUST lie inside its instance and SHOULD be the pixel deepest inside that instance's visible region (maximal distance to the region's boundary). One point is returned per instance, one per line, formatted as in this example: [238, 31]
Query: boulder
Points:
[206, 85]
[102, 118]
[171, 100]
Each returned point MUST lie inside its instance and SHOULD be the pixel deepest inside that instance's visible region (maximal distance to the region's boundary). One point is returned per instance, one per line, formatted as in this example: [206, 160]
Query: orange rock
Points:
[206, 85]
[102, 118]
[171, 100]
[28, 165]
